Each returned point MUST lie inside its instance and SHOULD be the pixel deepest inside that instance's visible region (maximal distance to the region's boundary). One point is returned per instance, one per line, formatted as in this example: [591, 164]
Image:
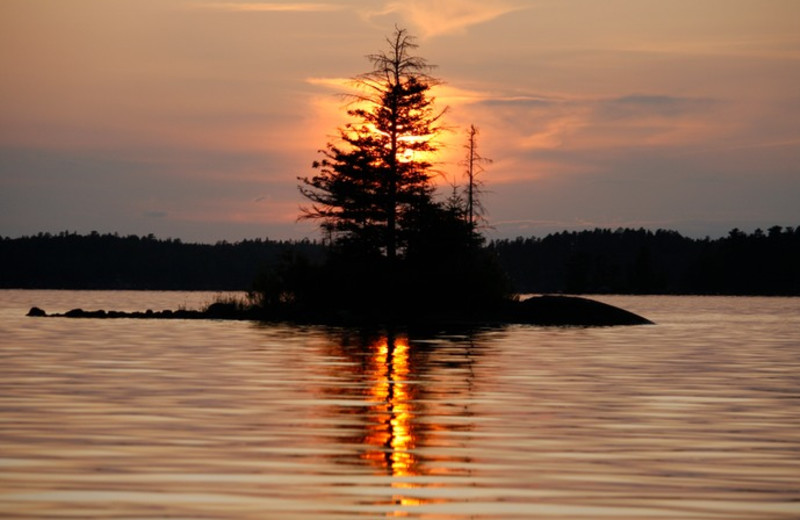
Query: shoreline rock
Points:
[36, 312]
[547, 310]
[556, 310]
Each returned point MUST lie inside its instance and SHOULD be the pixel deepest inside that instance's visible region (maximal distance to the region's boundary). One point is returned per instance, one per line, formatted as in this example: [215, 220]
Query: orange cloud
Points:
[438, 17]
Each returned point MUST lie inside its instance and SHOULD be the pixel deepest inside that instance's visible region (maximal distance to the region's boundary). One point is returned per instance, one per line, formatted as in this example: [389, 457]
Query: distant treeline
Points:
[95, 261]
[638, 261]
[625, 261]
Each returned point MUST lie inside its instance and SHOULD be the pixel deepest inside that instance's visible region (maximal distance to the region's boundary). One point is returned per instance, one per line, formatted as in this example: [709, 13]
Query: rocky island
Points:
[546, 310]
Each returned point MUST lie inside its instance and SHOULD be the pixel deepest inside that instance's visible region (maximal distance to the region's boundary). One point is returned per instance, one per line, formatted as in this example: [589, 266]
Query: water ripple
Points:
[694, 418]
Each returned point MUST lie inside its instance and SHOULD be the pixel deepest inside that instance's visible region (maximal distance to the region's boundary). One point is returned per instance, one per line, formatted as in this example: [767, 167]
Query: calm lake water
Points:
[696, 417]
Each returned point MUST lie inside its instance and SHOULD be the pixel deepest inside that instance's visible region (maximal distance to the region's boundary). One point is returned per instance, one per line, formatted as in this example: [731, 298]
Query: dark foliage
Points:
[373, 176]
[94, 261]
[445, 275]
[588, 262]
[637, 261]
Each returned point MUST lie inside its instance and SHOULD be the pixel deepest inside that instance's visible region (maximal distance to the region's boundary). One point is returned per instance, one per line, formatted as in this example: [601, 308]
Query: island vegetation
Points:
[393, 248]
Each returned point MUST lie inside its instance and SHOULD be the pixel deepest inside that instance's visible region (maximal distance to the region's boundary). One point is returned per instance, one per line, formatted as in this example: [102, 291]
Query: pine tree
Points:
[371, 181]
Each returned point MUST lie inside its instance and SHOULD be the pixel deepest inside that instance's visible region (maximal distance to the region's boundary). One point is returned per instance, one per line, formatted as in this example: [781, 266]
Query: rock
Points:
[36, 312]
[222, 310]
[80, 313]
[572, 311]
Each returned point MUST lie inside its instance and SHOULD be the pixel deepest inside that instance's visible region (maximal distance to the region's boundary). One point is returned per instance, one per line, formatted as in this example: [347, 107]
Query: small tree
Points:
[378, 173]
[455, 205]
[474, 167]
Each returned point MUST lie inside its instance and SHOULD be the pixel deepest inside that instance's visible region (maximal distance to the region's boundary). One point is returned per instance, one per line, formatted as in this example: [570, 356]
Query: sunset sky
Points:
[192, 119]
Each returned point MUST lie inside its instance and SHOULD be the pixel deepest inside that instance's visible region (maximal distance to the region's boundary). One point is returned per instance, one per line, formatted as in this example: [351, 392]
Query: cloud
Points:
[439, 17]
[520, 101]
[626, 121]
[555, 132]
[332, 83]
[271, 7]
[661, 105]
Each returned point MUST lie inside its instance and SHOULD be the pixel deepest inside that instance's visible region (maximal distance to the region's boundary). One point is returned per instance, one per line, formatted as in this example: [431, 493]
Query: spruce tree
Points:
[377, 175]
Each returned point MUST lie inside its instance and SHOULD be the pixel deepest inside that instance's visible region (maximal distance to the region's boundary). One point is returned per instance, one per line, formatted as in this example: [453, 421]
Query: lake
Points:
[696, 417]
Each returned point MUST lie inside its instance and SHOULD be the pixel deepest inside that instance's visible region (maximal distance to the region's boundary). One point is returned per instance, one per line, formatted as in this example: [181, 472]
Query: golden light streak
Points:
[392, 435]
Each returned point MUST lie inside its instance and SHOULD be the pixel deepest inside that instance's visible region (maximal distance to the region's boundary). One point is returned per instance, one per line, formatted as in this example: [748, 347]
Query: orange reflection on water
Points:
[396, 399]
[391, 429]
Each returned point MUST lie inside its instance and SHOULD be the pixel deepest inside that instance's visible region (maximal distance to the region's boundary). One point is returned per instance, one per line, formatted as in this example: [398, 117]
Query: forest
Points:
[622, 261]
[638, 261]
[71, 261]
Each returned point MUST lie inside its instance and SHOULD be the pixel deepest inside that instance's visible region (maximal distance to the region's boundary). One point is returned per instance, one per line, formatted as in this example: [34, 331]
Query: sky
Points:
[192, 119]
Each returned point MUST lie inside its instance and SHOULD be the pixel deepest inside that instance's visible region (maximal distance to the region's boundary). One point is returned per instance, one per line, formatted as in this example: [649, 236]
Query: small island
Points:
[546, 310]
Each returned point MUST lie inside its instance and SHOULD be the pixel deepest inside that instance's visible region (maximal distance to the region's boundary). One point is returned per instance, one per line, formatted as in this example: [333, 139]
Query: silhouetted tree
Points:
[474, 167]
[455, 205]
[377, 174]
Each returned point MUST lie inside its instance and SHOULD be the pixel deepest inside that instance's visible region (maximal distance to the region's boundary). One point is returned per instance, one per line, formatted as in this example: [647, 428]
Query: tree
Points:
[474, 167]
[371, 181]
[398, 254]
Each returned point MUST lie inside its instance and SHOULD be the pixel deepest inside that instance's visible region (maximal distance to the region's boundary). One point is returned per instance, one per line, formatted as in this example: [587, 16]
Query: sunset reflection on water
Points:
[411, 404]
[391, 430]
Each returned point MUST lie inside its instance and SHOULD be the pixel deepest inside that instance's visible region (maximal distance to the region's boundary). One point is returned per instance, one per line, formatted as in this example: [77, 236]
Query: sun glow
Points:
[406, 144]
[329, 114]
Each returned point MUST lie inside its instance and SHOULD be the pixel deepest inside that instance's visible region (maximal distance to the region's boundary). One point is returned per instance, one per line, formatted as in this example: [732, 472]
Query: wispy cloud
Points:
[765, 47]
[332, 83]
[273, 7]
[628, 121]
[661, 105]
[437, 17]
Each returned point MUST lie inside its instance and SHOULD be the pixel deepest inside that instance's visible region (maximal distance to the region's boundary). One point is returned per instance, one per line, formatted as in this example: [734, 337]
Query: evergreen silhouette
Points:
[395, 251]
[373, 180]
[639, 261]
[633, 261]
